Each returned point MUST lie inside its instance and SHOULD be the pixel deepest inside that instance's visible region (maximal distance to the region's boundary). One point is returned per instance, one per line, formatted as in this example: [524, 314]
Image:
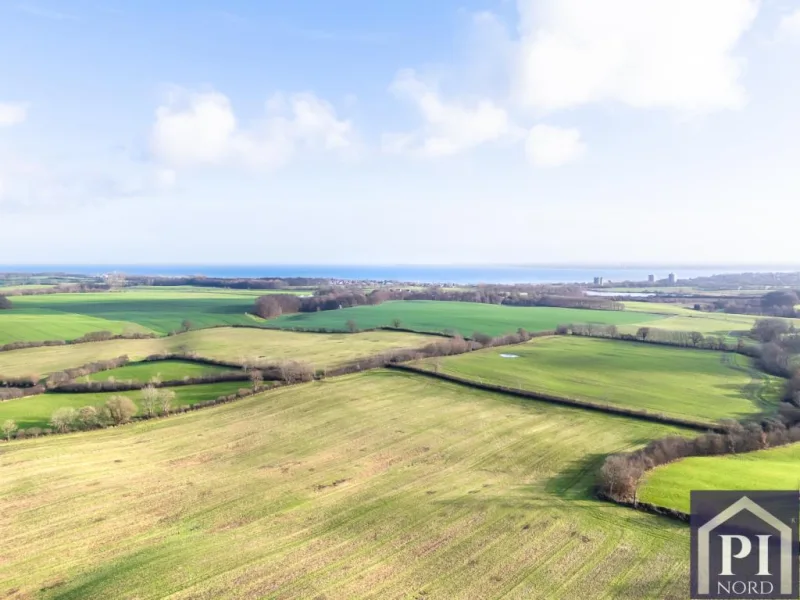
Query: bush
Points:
[119, 409]
[88, 417]
[9, 429]
[12, 393]
[64, 418]
[5, 303]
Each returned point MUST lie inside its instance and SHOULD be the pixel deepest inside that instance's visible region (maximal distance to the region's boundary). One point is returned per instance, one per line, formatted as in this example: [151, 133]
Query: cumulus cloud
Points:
[789, 27]
[547, 146]
[669, 54]
[202, 129]
[449, 126]
[12, 113]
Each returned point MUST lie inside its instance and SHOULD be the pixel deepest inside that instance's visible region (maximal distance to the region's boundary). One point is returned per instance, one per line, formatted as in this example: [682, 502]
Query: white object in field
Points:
[510, 355]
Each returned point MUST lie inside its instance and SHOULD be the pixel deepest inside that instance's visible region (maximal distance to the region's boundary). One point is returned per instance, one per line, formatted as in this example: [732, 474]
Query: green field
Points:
[35, 411]
[681, 318]
[223, 343]
[162, 310]
[36, 325]
[464, 317]
[676, 381]
[377, 485]
[6, 289]
[774, 469]
[166, 370]
[159, 311]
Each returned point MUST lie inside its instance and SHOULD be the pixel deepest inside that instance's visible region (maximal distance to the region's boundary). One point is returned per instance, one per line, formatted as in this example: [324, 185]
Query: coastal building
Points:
[598, 281]
[671, 279]
[651, 279]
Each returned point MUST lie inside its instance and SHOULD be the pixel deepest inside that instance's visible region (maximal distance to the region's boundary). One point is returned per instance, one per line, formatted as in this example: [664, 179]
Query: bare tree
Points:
[351, 325]
[150, 400]
[87, 417]
[165, 399]
[293, 371]
[396, 323]
[119, 409]
[257, 379]
[9, 428]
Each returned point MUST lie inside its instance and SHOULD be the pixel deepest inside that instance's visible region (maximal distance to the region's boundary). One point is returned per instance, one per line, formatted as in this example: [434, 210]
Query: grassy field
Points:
[377, 485]
[774, 469]
[676, 381]
[5, 289]
[167, 370]
[465, 317]
[35, 325]
[223, 343]
[681, 318]
[35, 411]
[160, 311]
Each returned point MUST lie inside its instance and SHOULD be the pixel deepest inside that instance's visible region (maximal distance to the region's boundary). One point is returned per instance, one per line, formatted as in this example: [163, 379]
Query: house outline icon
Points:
[744, 503]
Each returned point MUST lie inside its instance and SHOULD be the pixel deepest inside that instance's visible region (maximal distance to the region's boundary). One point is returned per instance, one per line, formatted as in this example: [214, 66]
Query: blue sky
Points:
[549, 131]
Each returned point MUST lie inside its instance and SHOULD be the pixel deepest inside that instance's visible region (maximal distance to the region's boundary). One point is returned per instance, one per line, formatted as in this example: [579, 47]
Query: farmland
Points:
[676, 381]
[165, 310]
[158, 311]
[773, 469]
[232, 344]
[35, 325]
[681, 318]
[378, 485]
[463, 317]
[166, 370]
[35, 411]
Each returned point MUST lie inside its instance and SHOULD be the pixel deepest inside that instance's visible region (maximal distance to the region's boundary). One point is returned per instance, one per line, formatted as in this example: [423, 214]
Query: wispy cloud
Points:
[45, 13]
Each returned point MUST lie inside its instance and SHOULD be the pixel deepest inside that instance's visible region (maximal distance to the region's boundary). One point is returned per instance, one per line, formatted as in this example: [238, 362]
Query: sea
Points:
[454, 274]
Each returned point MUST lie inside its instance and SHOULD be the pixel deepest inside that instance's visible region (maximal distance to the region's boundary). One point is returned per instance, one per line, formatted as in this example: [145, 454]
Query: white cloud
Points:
[789, 27]
[671, 54]
[202, 129]
[548, 146]
[449, 126]
[12, 113]
[165, 178]
[28, 184]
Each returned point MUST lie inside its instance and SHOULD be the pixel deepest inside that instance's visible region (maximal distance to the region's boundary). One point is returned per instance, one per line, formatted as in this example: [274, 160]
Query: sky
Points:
[400, 132]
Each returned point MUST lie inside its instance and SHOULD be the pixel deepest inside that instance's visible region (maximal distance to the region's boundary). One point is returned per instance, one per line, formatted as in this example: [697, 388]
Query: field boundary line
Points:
[647, 507]
[565, 401]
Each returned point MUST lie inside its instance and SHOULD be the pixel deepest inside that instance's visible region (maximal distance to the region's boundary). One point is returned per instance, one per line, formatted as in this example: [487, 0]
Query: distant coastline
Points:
[418, 273]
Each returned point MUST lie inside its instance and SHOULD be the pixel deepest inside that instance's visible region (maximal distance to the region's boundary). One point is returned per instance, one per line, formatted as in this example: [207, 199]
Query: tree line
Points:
[621, 473]
[92, 336]
[273, 305]
[654, 335]
[243, 283]
[773, 344]
[69, 288]
[779, 303]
